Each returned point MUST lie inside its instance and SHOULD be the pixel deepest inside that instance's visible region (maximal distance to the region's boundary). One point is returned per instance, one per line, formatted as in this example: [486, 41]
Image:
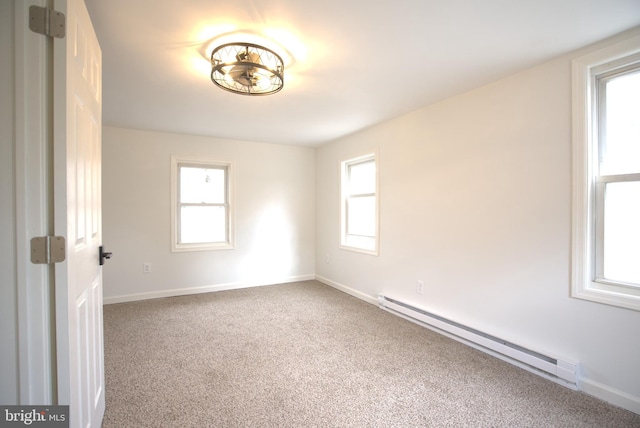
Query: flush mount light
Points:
[247, 69]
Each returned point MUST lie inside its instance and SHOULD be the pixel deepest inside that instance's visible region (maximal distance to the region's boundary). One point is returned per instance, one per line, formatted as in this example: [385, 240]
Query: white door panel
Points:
[77, 200]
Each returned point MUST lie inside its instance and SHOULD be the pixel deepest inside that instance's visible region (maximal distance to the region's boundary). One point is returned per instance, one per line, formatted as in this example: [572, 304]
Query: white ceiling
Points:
[356, 63]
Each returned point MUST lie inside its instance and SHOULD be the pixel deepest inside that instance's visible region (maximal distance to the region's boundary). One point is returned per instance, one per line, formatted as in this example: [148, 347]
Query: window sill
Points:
[609, 294]
[184, 248]
[359, 250]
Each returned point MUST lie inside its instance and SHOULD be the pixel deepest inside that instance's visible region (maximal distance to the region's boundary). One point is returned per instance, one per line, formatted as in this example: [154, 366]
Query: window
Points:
[359, 207]
[201, 204]
[606, 202]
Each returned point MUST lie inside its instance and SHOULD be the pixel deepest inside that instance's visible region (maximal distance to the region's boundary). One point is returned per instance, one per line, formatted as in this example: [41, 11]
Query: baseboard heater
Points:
[560, 371]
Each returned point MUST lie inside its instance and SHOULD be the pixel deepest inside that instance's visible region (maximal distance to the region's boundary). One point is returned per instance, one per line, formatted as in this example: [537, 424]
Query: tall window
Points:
[606, 235]
[201, 208]
[359, 219]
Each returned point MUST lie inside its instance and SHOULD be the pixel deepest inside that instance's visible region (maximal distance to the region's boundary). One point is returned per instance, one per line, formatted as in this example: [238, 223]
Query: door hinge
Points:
[48, 249]
[46, 21]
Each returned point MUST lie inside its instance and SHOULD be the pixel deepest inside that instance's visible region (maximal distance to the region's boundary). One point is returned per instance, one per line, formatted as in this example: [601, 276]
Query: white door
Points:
[77, 123]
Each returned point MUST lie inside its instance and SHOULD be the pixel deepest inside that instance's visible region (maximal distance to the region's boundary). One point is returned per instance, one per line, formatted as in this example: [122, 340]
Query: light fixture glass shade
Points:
[247, 69]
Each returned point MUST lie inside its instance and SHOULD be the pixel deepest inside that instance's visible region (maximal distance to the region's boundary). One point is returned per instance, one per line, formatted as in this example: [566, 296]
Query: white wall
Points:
[9, 393]
[274, 216]
[475, 195]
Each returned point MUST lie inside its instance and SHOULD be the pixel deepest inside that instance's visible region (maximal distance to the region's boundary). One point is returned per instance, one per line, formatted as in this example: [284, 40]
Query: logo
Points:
[36, 416]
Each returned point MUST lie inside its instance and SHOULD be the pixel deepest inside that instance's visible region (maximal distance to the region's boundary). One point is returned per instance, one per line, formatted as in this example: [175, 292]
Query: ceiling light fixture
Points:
[247, 69]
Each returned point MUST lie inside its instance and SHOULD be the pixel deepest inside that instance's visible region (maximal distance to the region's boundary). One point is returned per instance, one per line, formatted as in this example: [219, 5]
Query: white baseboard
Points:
[198, 290]
[355, 293]
[610, 395]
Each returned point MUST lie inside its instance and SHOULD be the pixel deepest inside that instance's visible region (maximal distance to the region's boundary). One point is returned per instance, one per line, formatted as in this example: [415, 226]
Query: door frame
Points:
[34, 209]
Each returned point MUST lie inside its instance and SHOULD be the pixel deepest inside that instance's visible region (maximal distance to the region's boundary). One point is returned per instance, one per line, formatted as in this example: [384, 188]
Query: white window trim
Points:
[343, 222]
[200, 161]
[583, 283]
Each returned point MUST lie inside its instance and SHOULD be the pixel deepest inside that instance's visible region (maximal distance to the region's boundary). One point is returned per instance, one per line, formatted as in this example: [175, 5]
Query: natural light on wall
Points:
[271, 257]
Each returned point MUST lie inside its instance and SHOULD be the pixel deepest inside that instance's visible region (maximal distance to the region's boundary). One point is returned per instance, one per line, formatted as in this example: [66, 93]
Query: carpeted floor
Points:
[306, 355]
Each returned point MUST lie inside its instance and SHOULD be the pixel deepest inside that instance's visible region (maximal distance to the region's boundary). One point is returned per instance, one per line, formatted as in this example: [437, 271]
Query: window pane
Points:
[361, 216]
[202, 224]
[362, 178]
[621, 155]
[202, 185]
[622, 232]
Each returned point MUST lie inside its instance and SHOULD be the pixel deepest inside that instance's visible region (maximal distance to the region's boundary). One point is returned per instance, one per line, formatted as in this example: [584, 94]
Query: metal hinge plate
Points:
[46, 21]
[48, 249]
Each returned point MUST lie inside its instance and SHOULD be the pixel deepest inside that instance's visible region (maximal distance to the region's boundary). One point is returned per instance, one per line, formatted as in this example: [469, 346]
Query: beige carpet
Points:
[306, 355]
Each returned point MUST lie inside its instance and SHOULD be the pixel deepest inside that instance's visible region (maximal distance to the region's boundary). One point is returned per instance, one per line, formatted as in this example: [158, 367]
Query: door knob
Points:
[104, 255]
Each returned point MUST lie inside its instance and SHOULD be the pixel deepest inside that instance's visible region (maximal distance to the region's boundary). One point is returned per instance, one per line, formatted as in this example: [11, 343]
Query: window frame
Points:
[589, 75]
[178, 162]
[345, 196]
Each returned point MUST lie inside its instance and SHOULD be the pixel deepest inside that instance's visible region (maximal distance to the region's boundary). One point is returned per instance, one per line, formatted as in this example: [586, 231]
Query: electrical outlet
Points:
[146, 267]
[326, 258]
[420, 287]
